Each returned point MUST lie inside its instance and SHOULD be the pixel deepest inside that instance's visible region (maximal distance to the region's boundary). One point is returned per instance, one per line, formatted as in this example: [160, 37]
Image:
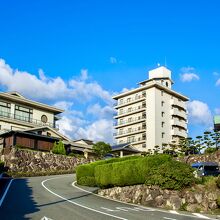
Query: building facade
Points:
[19, 113]
[152, 114]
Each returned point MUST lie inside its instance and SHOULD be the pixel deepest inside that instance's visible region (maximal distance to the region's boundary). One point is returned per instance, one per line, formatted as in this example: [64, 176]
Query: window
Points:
[121, 121]
[162, 103]
[44, 118]
[130, 139]
[128, 99]
[129, 119]
[162, 124]
[162, 134]
[121, 142]
[161, 92]
[167, 84]
[129, 130]
[136, 96]
[162, 114]
[121, 111]
[23, 113]
[130, 109]
[5, 109]
[121, 101]
[120, 131]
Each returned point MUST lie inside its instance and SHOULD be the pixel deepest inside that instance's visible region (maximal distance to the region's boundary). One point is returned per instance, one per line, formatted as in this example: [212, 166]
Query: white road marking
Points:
[200, 215]
[94, 210]
[45, 218]
[170, 218]
[5, 193]
[173, 212]
[109, 210]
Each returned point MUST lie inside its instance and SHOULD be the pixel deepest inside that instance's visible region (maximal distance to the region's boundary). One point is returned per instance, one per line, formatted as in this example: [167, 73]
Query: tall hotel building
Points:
[152, 114]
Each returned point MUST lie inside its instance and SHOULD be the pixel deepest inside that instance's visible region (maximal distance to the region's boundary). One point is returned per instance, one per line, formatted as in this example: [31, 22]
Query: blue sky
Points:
[61, 47]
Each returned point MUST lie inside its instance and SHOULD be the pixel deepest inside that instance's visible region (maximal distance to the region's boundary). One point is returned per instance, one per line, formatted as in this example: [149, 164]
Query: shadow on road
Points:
[15, 208]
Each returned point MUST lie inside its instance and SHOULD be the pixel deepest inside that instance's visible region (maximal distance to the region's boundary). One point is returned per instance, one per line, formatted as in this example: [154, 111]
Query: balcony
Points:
[129, 132]
[25, 120]
[131, 111]
[178, 113]
[178, 132]
[180, 123]
[178, 103]
[129, 122]
[130, 101]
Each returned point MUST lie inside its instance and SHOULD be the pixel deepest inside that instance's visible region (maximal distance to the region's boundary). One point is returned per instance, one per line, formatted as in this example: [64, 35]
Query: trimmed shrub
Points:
[173, 175]
[87, 181]
[86, 170]
[128, 172]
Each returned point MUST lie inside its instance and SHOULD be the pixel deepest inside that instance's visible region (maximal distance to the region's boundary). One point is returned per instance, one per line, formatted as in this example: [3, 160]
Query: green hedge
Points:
[88, 170]
[129, 172]
[171, 175]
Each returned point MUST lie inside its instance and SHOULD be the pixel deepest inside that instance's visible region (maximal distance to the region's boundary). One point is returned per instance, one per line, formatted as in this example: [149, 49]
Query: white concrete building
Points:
[19, 113]
[152, 114]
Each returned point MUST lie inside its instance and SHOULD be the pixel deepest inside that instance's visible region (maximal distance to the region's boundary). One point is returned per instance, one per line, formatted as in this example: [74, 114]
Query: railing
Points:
[129, 100]
[140, 129]
[129, 121]
[132, 110]
[26, 119]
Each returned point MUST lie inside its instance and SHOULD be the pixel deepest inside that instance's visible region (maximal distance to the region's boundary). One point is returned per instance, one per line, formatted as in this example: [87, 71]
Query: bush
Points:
[87, 181]
[58, 148]
[128, 172]
[172, 175]
[210, 150]
[86, 170]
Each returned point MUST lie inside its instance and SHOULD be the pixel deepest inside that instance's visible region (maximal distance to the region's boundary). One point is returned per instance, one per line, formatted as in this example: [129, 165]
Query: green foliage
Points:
[1, 166]
[129, 172]
[183, 207]
[170, 175]
[58, 148]
[101, 148]
[210, 150]
[218, 182]
[218, 201]
[87, 181]
[86, 170]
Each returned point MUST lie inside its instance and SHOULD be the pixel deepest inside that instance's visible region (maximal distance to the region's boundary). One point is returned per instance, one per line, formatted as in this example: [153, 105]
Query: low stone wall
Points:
[196, 199]
[214, 157]
[18, 160]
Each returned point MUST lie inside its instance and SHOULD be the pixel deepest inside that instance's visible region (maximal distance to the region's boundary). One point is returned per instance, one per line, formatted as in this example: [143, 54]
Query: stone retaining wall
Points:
[196, 199]
[18, 160]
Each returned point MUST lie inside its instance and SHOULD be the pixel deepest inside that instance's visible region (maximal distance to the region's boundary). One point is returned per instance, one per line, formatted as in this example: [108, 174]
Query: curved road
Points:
[57, 198]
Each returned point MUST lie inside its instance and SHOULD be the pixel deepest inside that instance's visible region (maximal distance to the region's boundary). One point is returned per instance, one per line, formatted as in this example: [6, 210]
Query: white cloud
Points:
[50, 88]
[113, 60]
[99, 130]
[188, 74]
[215, 73]
[73, 96]
[217, 111]
[217, 82]
[101, 112]
[199, 113]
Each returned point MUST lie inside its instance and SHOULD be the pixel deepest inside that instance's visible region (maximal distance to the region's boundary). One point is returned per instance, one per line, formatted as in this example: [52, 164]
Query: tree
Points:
[101, 148]
[58, 148]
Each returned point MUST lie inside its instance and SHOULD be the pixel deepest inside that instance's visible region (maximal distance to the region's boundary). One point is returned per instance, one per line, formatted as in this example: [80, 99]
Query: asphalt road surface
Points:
[57, 198]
